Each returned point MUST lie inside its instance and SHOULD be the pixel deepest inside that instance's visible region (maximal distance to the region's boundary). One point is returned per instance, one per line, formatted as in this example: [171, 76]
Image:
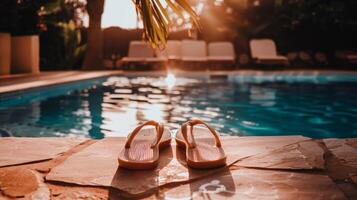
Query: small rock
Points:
[18, 182]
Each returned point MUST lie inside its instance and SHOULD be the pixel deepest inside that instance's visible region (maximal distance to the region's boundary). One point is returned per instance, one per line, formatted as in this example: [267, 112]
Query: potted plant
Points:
[5, 35]
[25, 53]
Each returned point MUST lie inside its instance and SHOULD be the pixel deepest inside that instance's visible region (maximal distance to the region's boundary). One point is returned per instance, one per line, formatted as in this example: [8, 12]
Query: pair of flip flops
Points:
[142, 147]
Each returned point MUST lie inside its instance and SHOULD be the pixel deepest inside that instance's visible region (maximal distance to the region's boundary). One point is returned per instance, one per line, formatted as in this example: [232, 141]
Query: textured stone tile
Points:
[242, 147]
[256, 184]
[14, 151]
[97, 164]
[344, 149]
[303, 155]
[64, 192]
[94, 165]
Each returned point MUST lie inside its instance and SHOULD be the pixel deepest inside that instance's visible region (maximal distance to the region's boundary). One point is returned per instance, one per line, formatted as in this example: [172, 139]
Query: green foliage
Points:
[72, 42]
[324, 25]
[320, 13]
[62, 46]
[321, 25]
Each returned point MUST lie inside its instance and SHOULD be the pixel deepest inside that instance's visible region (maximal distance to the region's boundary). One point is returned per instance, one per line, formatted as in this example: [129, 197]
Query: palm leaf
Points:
[156, 19]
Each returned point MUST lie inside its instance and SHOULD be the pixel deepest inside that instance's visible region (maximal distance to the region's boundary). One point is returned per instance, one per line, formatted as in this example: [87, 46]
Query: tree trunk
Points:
[94, 53]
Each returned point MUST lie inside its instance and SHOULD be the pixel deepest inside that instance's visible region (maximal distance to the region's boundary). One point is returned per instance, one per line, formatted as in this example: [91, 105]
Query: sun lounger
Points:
[221, 51]
[138, 52]
[264, 52]
[194, 54]
[221, 55]
[349, 57]
[141, 53]
[194, 51]
[173, 49]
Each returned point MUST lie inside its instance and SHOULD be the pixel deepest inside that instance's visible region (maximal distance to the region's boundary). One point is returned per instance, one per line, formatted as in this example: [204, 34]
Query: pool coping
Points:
[43, 81]
[9, 84]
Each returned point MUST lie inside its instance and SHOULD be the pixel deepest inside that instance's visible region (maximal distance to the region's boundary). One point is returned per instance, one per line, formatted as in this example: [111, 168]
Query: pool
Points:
[317, 106]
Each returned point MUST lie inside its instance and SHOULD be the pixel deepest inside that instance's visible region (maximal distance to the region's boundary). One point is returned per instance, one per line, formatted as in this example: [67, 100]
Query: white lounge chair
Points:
[193, 51]
[264, 51]
[221, 51]
[174, 49]
[194, 54]
[141, 52]
[221, 55]
[138, 51]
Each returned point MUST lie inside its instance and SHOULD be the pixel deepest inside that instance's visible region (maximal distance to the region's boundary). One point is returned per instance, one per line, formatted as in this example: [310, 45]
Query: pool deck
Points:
[13, 83]
[269, 167]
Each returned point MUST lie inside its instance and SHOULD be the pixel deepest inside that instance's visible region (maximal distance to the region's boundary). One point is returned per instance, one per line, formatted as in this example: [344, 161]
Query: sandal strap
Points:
[159, 130]
[194, 122]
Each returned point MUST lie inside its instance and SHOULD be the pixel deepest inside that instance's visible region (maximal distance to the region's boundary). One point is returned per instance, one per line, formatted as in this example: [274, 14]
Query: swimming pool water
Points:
[112, 106]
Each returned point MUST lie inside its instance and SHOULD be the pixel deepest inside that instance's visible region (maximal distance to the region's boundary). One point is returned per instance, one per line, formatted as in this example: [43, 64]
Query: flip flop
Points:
[143, 151]
[202, 151]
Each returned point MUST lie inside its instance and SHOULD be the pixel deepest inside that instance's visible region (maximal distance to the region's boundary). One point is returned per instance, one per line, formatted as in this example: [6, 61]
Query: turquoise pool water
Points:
[313, 106]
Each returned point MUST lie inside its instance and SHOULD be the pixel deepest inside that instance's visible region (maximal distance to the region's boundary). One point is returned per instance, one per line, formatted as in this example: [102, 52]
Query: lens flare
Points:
[170, 80]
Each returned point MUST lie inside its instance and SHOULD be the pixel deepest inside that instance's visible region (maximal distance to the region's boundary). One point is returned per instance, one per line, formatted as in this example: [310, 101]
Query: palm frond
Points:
[156, 19]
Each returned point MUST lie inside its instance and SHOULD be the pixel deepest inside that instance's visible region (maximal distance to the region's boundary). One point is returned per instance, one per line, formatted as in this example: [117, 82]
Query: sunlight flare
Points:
[170, 80]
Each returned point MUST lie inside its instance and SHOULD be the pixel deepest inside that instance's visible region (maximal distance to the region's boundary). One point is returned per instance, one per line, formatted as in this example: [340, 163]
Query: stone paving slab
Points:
[15, 151]
[303, 155]
[344, 149]
[97, 164]
[246, 183]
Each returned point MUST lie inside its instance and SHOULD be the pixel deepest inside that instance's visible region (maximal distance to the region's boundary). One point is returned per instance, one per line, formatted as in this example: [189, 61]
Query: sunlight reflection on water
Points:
[140, 99]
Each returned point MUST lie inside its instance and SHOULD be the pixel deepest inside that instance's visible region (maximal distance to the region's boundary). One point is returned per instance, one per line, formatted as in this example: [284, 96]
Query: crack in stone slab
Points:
[336, 168]
[45, 167]
[42, 192]
[343, 149]
[18, 151]
[298, 156]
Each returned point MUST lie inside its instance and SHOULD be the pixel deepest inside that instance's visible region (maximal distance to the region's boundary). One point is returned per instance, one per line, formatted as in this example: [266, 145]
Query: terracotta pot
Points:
[5, 53]
[25, 56]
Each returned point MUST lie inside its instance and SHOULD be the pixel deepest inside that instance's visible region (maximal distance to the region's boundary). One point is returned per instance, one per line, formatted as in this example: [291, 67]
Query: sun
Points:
[119, 13]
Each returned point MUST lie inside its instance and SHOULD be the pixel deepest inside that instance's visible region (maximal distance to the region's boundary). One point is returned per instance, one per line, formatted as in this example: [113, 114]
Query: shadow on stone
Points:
[149, 179]
[219, 180]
